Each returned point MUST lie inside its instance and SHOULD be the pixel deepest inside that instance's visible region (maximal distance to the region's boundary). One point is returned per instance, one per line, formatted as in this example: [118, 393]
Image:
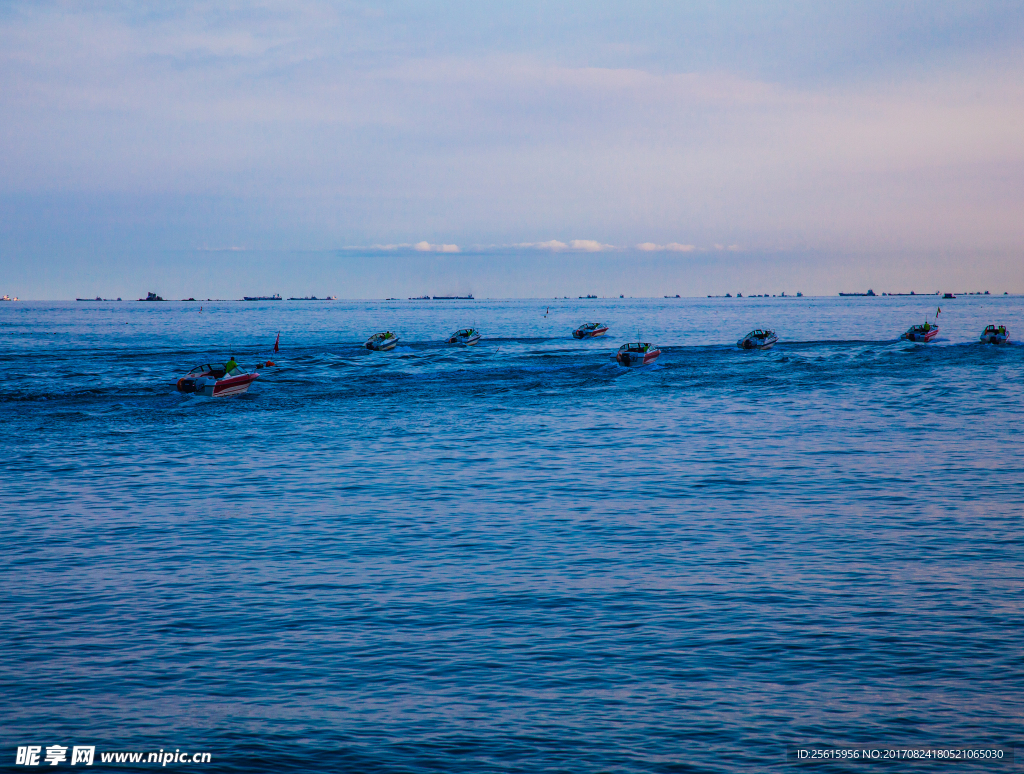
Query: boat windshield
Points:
[215, 371]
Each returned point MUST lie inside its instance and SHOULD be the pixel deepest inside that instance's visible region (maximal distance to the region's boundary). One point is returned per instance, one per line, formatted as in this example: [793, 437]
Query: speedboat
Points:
[995, 334]
[467, 337]
[758, 339]
[214, 382]
[921, 333]
[637, 354]
[382, 342]
[590, 330]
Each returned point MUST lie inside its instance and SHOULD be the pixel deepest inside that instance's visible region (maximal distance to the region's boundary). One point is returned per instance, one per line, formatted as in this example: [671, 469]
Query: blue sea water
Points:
[518, 557]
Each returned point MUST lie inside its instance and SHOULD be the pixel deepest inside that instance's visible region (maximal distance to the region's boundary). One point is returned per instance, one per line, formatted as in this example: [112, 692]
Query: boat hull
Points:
[756, 344]
[382, 345]
[578, 334]
[208, 387]
[637, 359]
[467, 342]
[994, 338]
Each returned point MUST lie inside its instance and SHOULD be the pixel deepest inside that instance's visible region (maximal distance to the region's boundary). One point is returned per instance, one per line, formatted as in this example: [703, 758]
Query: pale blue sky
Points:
[804, 146]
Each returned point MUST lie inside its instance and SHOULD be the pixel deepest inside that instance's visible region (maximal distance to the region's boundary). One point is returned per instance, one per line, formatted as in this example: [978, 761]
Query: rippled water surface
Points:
[518, 557]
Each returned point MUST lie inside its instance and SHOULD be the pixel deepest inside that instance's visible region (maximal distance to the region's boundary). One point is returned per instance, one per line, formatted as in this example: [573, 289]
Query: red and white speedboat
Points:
[590, 330]
[922, 333]
[636, 355]
[214, 382]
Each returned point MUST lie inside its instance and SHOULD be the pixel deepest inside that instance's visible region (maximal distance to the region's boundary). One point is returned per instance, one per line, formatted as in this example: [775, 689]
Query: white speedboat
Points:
[758, 339]
[382, 342]
[590, 331]
[995, 334]
[637, 354]
[215, 382]
[466, 337]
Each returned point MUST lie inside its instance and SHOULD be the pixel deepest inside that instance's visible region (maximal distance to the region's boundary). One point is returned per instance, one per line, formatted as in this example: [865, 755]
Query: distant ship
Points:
[590, 296]
[454, 298]
[869, 293]
[275, 297]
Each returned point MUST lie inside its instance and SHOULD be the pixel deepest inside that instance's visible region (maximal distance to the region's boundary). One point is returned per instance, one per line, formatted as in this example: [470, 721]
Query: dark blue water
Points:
[518, 557]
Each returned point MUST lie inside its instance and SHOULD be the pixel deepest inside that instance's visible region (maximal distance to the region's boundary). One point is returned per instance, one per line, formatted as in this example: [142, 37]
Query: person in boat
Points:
[927, 327]
[230, 366]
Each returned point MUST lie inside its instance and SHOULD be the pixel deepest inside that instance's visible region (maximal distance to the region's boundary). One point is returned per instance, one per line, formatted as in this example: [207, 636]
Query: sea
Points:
[519, 556]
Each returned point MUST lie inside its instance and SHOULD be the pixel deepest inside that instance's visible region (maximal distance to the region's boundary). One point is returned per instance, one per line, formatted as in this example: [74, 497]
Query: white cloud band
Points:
[672, 247]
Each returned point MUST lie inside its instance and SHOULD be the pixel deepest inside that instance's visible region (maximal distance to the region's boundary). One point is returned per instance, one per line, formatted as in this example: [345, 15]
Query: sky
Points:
[515, 149]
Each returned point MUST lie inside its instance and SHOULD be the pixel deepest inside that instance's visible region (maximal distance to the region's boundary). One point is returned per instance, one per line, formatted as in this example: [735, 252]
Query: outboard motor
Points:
[186, 385]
